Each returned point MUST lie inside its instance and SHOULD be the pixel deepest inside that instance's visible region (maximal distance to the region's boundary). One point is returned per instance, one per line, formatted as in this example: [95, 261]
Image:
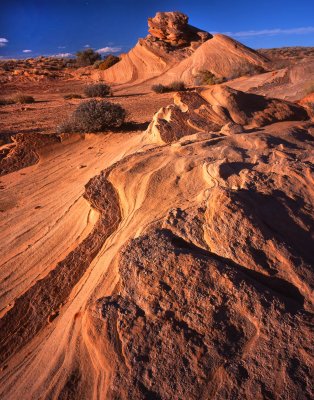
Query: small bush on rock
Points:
[23, 99]
[159, 88]
[97, 90]
[176, 86]
[206, 77]
[108, 62]
[94, 116]
[246, 70]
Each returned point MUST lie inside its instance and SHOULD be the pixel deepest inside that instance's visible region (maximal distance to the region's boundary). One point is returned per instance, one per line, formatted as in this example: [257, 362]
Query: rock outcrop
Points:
[173, 28]
[215, 298]
[193, 325]
[23, 151]
[220, 109]
[176, 50]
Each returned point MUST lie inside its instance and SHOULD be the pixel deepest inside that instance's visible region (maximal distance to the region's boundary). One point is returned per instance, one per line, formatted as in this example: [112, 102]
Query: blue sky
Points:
[48, 27]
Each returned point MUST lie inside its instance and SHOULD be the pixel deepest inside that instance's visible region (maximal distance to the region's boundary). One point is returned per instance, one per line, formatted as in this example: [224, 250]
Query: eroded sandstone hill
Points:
[187, 271]
[175, 50]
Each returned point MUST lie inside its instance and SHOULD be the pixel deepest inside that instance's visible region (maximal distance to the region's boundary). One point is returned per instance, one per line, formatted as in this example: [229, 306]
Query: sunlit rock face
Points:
[173, 28]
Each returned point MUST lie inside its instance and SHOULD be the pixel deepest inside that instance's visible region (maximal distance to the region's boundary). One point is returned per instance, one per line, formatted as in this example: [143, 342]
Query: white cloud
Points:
[108, 49]
[61, 47]
[3, 42]
[273, 32]
[27, 51]
[87, 45]
[62, 55]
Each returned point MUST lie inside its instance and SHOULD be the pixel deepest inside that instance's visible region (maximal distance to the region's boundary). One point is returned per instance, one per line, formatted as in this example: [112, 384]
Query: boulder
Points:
[173, 28]
[220, 109]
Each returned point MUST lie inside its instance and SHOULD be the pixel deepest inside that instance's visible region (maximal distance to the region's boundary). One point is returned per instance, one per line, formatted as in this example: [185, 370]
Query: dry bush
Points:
[206, 77]
[108, 62]
[94, 116]
[23, 99]
[176, 86]
[246, 70]
[87, 57]
[159, 88]
[97, 90]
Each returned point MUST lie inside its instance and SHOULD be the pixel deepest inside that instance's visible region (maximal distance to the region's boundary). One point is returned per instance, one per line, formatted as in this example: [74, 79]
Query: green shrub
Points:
[87, 57]
[23, 99]
[94, 116]
[108, 62]
[176, 86]
[159, 88]
[97, 90]
[72, 96]
[206, 77]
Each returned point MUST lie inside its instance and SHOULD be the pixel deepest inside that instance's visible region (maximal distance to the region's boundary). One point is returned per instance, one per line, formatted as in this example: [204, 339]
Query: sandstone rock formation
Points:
[173, 28]
[175, 50]
[215, 298]
[290, 83]
[219, 109]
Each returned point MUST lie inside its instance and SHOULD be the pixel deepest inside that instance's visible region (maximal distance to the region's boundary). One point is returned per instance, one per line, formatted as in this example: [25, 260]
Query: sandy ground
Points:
[50, 107]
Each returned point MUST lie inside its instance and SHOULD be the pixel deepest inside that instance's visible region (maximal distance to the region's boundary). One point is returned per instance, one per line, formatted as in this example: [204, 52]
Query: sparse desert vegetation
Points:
[206, 77]
[23, 99]
[94, 116]
[97, 90]
[176, 86]
[18, 98]
[87, 57]
[108, 62]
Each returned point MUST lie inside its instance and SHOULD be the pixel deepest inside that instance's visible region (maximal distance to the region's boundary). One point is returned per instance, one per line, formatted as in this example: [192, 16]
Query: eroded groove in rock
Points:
[190, 324]
[42, 303]
[24, 151]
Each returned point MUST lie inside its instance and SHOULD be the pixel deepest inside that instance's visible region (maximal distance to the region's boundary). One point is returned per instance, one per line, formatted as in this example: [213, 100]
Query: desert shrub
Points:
[87, 57]
[206, 77]
[159, 88]
[94, 116]
[97, 90]
[176, 86]
[108, 62]
[23, 99]
[72, 96]
[246, 70]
